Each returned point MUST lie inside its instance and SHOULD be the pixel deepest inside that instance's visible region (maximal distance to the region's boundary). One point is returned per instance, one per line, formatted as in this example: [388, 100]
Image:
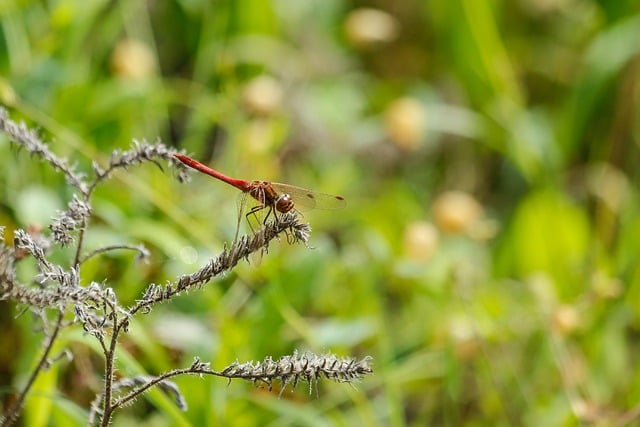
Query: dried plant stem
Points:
[108, 408]
[229, 258]
[289, 369]
[142, 251]
[241, 248]
[80, 245]
[11, 415]
[95, 305]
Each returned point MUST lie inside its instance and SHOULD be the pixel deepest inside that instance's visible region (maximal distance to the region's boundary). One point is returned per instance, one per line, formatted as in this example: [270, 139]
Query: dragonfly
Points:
[272, 197]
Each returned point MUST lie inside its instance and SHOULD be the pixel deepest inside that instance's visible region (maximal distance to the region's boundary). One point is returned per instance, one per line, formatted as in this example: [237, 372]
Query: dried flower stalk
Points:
[59, 289]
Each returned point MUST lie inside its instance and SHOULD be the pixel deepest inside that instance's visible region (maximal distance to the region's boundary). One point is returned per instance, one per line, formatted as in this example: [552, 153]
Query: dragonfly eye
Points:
[284, 203]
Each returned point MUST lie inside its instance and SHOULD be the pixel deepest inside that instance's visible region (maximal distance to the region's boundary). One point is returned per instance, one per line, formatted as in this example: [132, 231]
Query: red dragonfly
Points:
[273, 196]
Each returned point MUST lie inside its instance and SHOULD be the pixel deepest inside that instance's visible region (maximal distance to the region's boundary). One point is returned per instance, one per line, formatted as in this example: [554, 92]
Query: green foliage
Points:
[520, 309]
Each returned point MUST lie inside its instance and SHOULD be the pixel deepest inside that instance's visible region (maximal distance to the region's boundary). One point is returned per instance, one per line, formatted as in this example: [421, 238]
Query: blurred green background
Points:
[488, 255]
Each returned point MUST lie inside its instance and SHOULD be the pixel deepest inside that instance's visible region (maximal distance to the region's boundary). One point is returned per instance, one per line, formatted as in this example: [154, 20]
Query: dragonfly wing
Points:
[307, 199]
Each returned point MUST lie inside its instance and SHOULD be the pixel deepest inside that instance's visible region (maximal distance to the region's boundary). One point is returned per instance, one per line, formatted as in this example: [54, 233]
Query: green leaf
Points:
[549, 234]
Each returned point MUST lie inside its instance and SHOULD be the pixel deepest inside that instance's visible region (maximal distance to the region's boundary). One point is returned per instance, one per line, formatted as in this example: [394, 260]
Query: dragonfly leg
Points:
[266, 217]
[253, 212]
[291, 239]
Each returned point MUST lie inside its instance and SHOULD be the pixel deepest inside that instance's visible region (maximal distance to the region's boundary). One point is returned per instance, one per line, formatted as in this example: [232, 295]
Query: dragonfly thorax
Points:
[268, 196]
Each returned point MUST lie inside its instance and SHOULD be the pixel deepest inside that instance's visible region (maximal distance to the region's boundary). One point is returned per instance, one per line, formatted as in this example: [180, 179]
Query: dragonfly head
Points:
[284, 203]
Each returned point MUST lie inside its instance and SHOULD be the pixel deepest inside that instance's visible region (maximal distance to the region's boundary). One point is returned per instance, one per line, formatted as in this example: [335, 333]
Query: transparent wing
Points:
[252, 210]
[306, 199]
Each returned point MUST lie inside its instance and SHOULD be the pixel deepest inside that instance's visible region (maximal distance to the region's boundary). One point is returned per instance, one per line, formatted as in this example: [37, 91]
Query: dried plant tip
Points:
[288, 223]
[307, 367]
[142, 151]
[300, 233]
[143, 253]
[183, 171]
[24, 241]
[70, 220]
[28, 139]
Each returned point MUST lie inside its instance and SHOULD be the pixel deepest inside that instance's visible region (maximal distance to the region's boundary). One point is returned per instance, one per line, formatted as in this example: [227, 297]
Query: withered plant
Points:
[59, 297]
